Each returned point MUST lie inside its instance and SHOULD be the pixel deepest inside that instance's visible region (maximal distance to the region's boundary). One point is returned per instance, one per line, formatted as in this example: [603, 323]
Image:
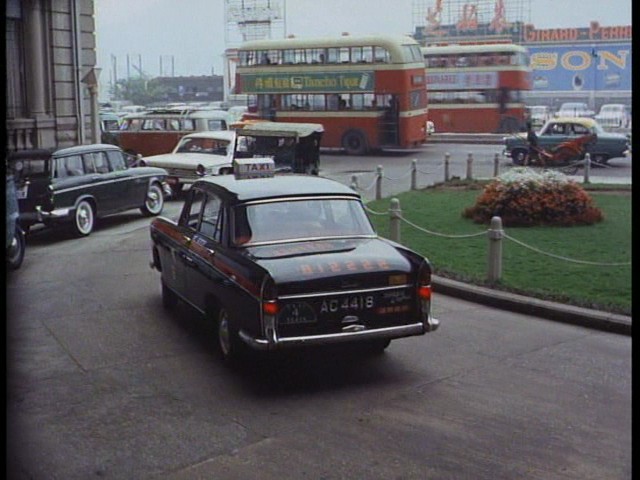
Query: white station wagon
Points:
[195, 155]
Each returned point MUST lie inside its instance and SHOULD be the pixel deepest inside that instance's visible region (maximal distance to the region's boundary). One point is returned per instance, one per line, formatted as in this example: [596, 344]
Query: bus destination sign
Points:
[360, 81]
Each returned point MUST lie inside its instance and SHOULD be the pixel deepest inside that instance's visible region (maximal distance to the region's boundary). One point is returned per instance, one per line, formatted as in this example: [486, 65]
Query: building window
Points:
[16, 94]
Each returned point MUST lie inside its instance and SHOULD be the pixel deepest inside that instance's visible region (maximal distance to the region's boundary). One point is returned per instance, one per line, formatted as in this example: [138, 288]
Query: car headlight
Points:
[200, 170]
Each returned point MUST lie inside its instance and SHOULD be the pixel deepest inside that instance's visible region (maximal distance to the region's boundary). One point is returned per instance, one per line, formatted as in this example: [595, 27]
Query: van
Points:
[157, 131]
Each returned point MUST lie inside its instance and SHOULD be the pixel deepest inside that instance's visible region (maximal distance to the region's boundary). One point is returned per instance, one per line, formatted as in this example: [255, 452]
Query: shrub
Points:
[523, 197]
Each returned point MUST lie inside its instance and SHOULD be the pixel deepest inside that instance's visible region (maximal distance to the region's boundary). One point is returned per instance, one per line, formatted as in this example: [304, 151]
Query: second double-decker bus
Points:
[367, 91]
[477, 88]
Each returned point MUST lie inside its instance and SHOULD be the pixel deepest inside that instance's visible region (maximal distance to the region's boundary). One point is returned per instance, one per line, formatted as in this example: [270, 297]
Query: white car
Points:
[614, 115]
[539, 114]
[575, 109]
[196, 155]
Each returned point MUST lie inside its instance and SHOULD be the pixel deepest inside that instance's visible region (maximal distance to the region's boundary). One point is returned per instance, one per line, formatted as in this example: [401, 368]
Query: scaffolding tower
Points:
[253, 20]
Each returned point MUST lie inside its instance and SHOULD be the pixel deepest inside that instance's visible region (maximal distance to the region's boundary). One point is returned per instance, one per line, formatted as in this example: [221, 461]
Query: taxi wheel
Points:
[84, 218]
[154, 201]
[16, 249]
[229, 344]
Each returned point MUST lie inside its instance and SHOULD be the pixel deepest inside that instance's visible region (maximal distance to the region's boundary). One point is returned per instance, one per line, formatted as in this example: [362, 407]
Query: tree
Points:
[139, 91]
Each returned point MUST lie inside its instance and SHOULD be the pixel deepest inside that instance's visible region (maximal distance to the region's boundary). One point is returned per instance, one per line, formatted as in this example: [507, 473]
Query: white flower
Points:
[526, 178]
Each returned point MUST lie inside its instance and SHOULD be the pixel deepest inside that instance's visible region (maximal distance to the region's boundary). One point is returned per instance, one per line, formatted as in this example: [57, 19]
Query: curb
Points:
[595, 319]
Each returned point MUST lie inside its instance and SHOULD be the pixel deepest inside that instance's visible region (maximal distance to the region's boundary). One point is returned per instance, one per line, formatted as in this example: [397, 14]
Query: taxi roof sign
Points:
[256, 167]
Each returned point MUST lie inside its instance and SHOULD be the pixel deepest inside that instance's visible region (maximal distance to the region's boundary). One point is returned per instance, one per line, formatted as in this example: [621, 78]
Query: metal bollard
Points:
[414, 174]
[379, 182]
[495, 235]
[394, 220]
[469, 166]
[447, 156]
[496, 165]
[587, 168]
[354, 183]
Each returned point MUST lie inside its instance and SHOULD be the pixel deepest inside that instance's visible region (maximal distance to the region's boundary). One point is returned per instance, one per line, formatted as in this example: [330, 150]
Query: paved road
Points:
[102, 382]
[396, 167]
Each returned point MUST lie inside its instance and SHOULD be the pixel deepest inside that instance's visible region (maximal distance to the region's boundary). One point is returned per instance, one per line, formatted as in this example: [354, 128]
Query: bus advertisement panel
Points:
[368, 91]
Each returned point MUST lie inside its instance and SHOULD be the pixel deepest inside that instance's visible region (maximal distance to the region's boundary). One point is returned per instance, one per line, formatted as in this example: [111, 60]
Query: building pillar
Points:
[35, 59]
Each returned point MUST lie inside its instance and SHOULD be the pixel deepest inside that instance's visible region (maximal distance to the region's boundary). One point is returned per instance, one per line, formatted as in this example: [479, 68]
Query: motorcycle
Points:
[563, 154]
[15, 240]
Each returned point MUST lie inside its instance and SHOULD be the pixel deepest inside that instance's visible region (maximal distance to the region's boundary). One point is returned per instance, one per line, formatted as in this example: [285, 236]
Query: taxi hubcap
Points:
[223, 334]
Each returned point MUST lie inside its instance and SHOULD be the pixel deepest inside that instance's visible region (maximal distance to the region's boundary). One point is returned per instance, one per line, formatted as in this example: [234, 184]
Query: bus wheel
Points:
[354, 143]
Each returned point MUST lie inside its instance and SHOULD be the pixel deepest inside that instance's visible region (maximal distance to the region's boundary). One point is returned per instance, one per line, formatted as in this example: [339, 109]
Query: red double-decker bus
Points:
[368, 91]
[477, 88]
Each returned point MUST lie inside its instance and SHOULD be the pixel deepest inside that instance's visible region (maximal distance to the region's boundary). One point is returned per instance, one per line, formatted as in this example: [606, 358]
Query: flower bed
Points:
[524, 197]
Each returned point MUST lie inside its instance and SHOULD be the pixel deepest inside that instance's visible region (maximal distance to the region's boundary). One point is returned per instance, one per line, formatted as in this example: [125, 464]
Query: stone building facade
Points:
[51, 85]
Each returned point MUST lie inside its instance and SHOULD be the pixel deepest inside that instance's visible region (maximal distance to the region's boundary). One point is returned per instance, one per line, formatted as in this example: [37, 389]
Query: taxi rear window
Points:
[300, 219]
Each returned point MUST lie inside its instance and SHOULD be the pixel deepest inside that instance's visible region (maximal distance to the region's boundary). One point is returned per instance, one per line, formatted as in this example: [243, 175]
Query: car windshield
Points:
[538, 110]
[211, 146]
[294, 220]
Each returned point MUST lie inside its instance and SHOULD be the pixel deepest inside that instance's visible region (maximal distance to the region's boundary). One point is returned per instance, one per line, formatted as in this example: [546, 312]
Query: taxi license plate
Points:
[347, 304]
[21, 193]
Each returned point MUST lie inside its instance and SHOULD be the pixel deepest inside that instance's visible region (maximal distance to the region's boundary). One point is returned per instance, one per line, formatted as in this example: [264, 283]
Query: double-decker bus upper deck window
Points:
[332, 55]
[246, 57]
[381, 55]
[288, 56]
[344, 54]
[299, 56]
[412, 53]
[316, 55]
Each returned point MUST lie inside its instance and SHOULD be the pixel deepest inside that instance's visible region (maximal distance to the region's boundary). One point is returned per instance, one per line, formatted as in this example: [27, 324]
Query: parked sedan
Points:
[538, 115]
[614, 115]
[195, 155]
[289, 260]
[574, 109]
[607, 145]
[76, 185]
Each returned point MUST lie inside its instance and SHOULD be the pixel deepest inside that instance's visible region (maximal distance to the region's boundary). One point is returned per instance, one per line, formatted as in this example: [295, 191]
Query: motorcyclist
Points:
[532, 141]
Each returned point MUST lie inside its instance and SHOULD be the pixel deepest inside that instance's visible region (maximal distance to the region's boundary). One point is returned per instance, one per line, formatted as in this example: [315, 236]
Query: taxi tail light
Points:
[270, 308]
[423, 290]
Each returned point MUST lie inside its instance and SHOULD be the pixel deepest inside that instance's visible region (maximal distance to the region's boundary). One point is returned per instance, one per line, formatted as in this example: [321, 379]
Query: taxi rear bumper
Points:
[419, 328]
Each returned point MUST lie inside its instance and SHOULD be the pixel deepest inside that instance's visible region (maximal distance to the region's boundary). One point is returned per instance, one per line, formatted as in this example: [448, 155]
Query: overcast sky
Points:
[194, 32]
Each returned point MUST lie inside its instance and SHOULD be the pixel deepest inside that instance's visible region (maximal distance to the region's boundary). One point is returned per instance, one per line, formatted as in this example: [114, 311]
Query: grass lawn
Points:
[439, 209]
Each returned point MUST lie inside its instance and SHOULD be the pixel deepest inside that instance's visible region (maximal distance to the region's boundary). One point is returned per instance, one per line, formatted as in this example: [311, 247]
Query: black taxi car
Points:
[289, 260]
[78, 184]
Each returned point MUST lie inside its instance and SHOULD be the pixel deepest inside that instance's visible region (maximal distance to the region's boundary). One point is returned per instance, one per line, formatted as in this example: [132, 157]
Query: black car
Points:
[289, 260]
[76, 185]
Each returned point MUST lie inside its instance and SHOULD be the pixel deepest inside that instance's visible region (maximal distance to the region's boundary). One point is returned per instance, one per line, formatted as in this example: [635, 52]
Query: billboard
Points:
[581, 67]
